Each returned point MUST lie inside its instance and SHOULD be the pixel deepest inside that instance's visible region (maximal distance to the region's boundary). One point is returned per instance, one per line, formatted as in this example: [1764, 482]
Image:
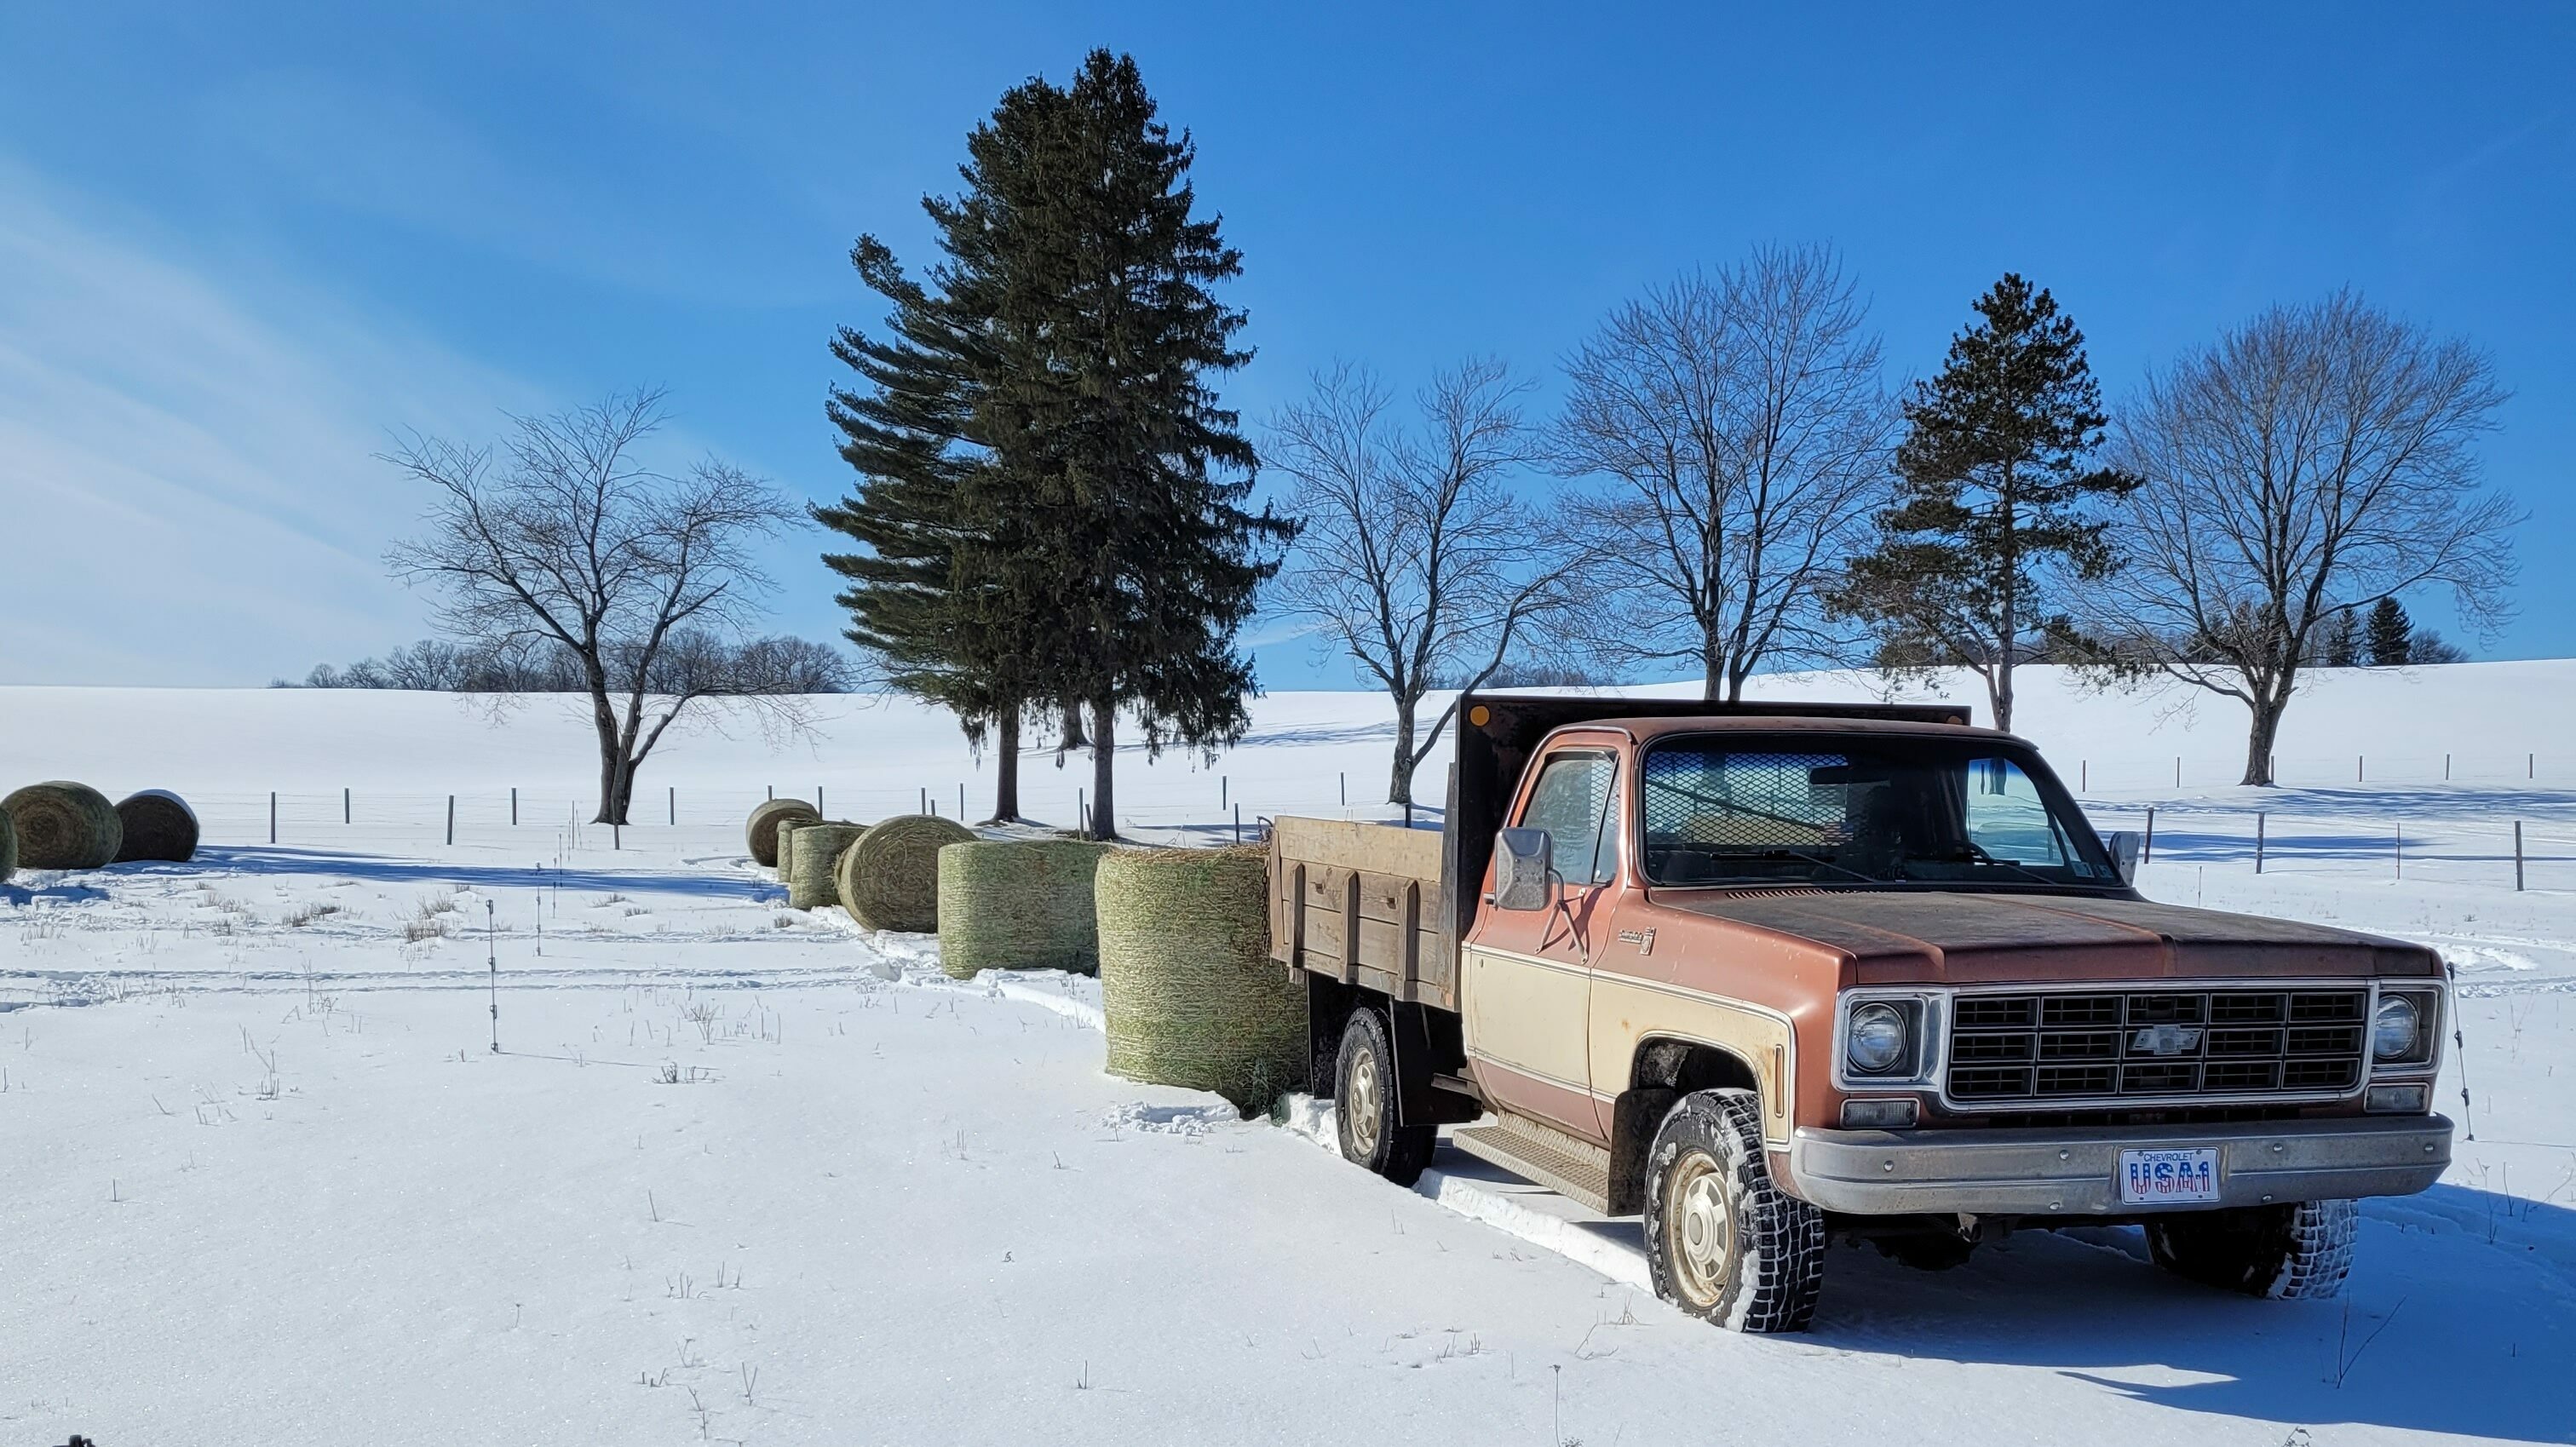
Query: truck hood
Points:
[1891, 937]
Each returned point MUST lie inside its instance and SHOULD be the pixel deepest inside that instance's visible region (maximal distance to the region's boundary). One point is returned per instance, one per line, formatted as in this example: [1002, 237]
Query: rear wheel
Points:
[2300, 1250]
[1723, 1241]
[1364, 1104]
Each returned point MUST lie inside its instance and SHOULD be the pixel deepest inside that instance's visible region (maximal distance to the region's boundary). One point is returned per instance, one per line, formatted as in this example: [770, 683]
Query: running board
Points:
[1568, 1165]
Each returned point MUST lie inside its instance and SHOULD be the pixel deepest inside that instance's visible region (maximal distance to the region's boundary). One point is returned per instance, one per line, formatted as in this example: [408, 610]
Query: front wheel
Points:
[2299, 1250]
[1723, 1241]
[1364, 1104]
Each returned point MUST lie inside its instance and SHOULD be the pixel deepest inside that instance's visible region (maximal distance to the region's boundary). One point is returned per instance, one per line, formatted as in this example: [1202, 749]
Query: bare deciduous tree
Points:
[2312, 462]
[1419, 557]
[562, 536]
[1741, 425]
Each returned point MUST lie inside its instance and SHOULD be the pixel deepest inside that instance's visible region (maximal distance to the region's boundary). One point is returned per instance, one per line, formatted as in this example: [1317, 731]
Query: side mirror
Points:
[1521, 868]
[2124, 854]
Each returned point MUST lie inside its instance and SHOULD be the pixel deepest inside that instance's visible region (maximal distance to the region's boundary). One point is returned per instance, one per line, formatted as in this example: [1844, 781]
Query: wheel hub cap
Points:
[1363, 1103]
[1700, 1228]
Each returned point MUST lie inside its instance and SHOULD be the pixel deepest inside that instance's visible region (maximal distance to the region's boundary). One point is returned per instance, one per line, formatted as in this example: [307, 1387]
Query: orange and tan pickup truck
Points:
[1769, 975]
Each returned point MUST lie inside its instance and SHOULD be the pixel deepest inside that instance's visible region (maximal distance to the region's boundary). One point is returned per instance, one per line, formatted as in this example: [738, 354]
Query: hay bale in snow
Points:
[762, 832]
[787, 828]
[62, 825]
[158, 825]
[8, 847]
[1186, 979]
[893, 877]
[810, 882]
[1018, 904]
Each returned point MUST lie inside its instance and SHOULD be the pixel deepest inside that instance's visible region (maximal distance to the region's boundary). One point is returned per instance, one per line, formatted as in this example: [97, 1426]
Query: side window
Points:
[2007, 819]
[1576, 801]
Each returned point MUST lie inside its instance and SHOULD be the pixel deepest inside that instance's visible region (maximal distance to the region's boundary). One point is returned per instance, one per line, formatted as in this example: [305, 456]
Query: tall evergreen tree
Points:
[931, 596]
[1994, 518]
[2391, 635]
[1107, 334]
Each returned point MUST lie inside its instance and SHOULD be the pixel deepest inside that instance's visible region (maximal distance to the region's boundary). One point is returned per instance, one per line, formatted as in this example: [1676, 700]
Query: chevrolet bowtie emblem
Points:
[2166, 1040]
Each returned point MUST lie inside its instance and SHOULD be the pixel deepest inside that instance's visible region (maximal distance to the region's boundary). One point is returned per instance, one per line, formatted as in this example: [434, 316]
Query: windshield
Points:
[1734, 810]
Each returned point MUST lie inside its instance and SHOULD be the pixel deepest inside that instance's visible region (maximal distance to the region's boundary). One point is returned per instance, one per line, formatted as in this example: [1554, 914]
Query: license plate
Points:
[2168, 1177]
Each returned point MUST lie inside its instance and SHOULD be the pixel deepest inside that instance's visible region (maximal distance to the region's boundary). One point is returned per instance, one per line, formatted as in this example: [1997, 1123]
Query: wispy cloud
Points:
[186, 467]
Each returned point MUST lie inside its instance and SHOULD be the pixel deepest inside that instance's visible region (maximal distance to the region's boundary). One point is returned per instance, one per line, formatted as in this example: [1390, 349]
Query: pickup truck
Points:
[1769, 975]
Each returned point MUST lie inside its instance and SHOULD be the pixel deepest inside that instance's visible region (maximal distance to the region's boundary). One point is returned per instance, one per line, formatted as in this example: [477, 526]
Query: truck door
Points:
[1527, 989]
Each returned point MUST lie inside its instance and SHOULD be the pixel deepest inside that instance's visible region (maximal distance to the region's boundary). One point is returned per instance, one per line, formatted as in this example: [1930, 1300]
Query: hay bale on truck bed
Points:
[1186, 979]
[762, 832]
[1018, 904]
[892, 879]
[158, 825]
[811, 883]
[63, 825]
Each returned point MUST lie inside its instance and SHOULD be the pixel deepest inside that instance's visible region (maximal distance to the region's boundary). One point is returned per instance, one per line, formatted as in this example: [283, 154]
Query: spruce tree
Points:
[931, 596]
[2391, 635]
[1994, 518]
[1107, 335]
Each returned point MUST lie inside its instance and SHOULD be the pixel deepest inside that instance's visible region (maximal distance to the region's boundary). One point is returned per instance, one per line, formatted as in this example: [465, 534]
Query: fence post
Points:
[2258, 841]
[961, 801]
[2177, 771]
[1220, 791]
[344, 804]
[451, 820]
[818, 798]
[675, 806]
[925, 798]
[1081, 811]
[2446, 768]
[2147, 846]
[1346, 788]
[514, 806]
[1238, 823]
[2517, 856]
[2083, 775]
[272, 816]
[2356, 768]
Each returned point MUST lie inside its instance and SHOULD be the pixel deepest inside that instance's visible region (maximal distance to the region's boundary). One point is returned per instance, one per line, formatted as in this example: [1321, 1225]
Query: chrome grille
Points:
[2065, 1046]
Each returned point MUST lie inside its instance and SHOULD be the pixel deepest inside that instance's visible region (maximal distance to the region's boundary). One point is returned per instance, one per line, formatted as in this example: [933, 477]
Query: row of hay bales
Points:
[1179, 937]
[63, 825]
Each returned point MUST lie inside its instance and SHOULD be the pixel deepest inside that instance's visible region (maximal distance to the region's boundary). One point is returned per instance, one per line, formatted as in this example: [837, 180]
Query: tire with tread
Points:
[2294, 1251]
[1723, 1241]
[1364, 1104]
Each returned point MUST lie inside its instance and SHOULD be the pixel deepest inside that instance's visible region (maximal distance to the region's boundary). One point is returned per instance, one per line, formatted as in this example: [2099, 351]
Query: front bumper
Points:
[2073, 1172]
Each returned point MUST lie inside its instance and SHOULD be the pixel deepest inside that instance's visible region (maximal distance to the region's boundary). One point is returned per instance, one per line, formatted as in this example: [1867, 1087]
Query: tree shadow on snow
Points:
[377, 868]
[2458, 1318]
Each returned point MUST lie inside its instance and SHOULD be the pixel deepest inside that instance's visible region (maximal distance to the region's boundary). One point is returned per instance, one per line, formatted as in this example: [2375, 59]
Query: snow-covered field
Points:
[741, 1172]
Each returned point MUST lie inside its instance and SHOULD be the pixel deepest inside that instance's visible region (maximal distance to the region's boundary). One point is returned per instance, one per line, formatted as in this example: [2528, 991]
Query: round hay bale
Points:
[893, 877]
[762, 832]
[810, 882]
[8, 847]
[787, 828]
[1186, 979]
[62, 825]
[158, 825]
[1018, 904]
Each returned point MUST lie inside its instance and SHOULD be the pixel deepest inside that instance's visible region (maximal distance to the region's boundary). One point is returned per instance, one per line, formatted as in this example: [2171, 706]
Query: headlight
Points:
[2396, 1029]
[1876, 1042]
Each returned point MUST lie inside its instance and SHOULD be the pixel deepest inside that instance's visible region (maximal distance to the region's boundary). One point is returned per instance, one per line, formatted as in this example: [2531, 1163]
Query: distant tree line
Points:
[691, 660]
[1054, 528]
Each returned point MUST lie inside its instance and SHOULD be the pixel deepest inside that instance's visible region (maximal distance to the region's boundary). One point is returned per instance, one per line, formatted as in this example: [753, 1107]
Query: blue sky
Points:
[239, 243]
